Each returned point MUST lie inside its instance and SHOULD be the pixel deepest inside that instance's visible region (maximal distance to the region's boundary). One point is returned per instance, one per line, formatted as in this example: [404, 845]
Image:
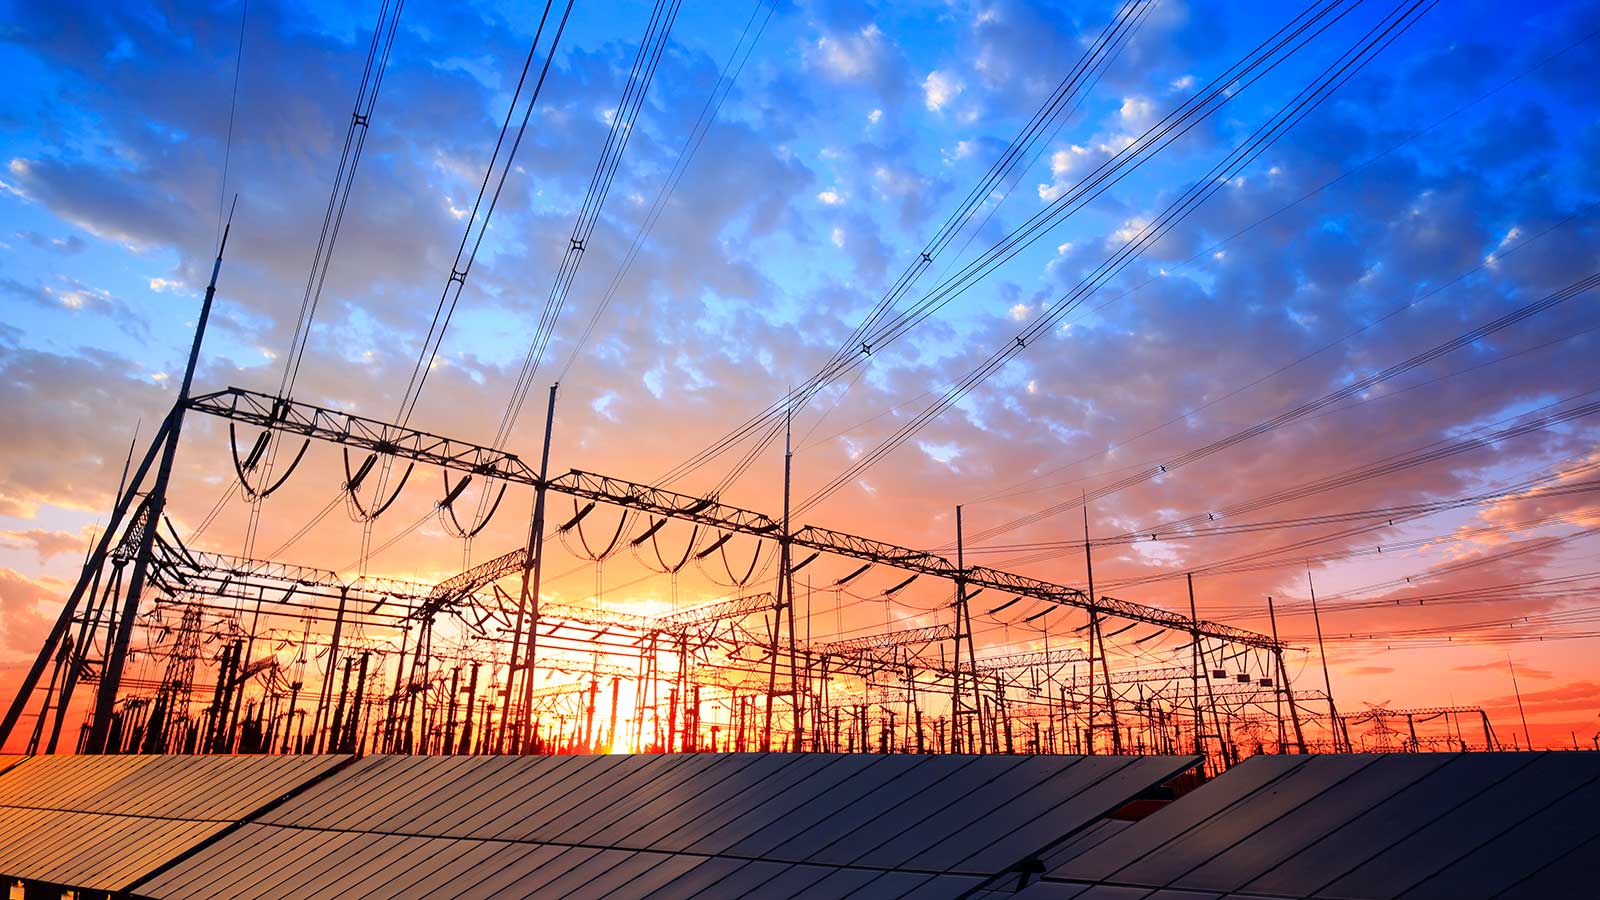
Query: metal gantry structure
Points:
[267, 656]
[380, 664]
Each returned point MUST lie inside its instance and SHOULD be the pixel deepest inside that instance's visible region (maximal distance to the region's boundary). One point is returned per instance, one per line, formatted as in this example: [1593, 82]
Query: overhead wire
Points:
[988, 196]
[379, 49]
[1095, 57]
[1394, 24]
[1545, 416]
[720, 91]
[648, 58]
[233, 107]
[477, 226]
[1222, 89]
[1350, 389]
[1208, 252]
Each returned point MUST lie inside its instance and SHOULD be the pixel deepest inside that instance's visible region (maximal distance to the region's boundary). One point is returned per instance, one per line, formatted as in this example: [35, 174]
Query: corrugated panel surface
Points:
[1356, 827]
[723, 825]
[103, 822]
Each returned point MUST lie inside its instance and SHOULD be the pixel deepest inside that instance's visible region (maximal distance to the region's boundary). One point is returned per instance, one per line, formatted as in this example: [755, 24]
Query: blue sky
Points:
[1456, 171]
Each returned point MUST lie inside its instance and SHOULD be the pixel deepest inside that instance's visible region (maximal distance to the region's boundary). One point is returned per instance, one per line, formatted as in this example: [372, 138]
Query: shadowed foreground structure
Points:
[807, 825]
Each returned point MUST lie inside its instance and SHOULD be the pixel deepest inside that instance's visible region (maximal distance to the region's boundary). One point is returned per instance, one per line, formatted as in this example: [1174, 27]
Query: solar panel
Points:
[1374, 827]
[1277, 838]
[1218, 833]
[818, 825]
[932, 774]
[1477, 820]
[1524, 847]
[103, 822]
[1173, 821]
[1413, 826]
[1561, 877]
[1363, 836]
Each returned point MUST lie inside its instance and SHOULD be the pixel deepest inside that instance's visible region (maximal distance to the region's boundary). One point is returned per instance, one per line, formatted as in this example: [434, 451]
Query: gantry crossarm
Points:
[871, 551]
[305, 419]
[879, 652]
[909, 637]
[721, 611]
[594, 668]
[266, 411]
[308, 591]
[744, 683]
[450, 591]
[558, 690]
[1379, 712]
[592, 616]
[1030, 659]
[662, 502]
[224, 564]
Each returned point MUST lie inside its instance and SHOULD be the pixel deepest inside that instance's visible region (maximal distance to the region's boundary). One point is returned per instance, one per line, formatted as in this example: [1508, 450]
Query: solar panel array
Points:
[102, 822]
[818, 825]
[1376, 827]
[1342, 827]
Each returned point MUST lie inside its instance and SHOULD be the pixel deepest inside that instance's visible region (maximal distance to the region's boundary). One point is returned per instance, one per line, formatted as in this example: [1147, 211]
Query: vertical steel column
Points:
[1194, 674]
[326, 694]
[1283, 680]
[1327, 681]
[786, 577]
[532, 572]
[117, 656]
[1099, 636]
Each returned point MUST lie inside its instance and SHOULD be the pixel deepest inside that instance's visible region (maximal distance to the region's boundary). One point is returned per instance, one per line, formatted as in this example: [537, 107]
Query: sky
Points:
[1446, 184]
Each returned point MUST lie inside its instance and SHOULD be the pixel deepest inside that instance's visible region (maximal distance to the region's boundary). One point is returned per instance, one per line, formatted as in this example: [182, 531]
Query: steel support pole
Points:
[532, 572]
[1327, 681]
[786, 576]
[117, 656]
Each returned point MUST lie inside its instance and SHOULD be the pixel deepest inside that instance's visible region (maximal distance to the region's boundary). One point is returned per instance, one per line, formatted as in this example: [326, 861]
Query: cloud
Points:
[1497, 666]
[68, 245]
[46, 544]
[1137, 113]
[856, 55]
[23, 622]
[939, 88]
[103, 203]
[753, 275]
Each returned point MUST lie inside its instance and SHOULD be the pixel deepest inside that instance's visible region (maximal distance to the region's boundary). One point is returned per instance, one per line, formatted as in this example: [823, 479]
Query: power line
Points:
[1352, 389]
[645, 62]
[1008, 166]
[691, 145]
[355, 139]
[1330, 79]
[476, 227]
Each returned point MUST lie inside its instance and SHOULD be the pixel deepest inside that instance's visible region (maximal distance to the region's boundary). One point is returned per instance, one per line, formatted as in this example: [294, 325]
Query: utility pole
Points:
[326, 694]
[963, 628]
[1520, 711]
[786, 572]
[1283, 684]
[1194, 673]
[1099, 638]
[532, 570]
[1211, 696]
[1327, 681]
[156, 500]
